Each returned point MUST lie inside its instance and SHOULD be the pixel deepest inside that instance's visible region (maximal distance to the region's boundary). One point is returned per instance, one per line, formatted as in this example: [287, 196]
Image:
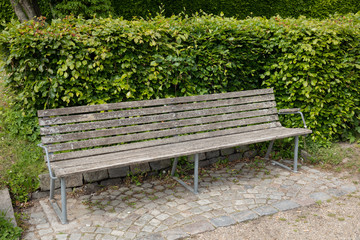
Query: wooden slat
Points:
[153, 110]
[146, 103]
[152, 118]
[157, 134]
[158, 148]
[156, 142]
[174, 150]
[155, 126]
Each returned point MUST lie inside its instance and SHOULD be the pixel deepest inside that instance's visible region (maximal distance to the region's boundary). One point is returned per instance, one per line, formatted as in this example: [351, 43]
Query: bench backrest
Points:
[97, 129]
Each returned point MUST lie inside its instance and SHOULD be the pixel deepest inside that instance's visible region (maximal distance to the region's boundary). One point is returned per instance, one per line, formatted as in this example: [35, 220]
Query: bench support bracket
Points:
[296, 151]
[196, 175]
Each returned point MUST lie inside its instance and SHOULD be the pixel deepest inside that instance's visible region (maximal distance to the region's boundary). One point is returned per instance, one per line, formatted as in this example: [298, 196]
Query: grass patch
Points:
[21, 161]
[338, 156]
[20, 164]
[7, 230]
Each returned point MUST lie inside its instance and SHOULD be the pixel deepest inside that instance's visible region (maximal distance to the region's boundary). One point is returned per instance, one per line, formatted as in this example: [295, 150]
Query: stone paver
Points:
[159, 210]
[265, 210]
[286, 205]
[222, 221]
[244, 216]
[320, 196]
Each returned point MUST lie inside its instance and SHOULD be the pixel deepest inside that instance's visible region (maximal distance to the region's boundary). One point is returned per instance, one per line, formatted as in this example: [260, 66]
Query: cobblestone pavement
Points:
[157, 210]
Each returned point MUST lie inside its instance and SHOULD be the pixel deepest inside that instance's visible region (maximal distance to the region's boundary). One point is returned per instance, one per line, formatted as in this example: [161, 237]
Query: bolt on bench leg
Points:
[196, 175]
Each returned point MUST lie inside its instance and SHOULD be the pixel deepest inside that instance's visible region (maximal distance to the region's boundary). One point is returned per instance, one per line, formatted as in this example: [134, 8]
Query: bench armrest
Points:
[47, 160]
[289, 110]
[293, 111]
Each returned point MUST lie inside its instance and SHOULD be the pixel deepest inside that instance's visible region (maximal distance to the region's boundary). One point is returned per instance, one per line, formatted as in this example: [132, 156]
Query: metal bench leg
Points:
[52, 188]
[63, 201]
[174, 166]
[267, 155]
[296, 150]
[196, 175]
[62, 213]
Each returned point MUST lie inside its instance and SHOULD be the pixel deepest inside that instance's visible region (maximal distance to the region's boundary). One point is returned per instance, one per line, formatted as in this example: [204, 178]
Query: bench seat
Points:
[171, 150]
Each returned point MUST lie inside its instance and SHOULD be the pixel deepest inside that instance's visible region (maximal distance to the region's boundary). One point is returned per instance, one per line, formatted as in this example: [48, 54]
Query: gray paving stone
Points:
[90, 177]
[285, 205]
[158, 165]
[140, 168]
[212, 154]
[45, 231]
[250, 154]
[320, 196]
[227, 151]
[155, 236]
[103, 230]
[6, 206]
[174, 234]
[108, 237]
[336, 192]
[348, 188]
[75, 180]
[61, 236]
[235, 156]
[244, 216]
[222, 221]
[75, 236]
[198, 227]
[88, 236]
[111, 182]
[265, 210]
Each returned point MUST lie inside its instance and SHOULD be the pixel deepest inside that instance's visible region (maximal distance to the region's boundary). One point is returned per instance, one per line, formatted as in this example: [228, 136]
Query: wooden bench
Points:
[91, 138]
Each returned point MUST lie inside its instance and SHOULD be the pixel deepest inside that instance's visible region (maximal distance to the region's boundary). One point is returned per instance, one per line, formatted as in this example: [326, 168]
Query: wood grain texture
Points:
[146, 103]
[158, 142]
[157, 125]
[155, 153]
[152, 110]
[157, 134]
[152, 118]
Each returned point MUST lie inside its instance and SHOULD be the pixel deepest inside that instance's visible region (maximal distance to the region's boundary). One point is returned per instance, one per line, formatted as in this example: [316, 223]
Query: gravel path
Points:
[337, 218]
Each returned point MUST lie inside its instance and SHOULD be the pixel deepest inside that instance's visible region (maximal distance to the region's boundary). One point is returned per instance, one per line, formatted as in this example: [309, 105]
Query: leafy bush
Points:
[311, 64]
[7, 230]
[237, 8]
[85, 8]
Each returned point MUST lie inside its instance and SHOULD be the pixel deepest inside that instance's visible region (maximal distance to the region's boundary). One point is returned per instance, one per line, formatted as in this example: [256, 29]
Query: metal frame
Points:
[196, 175]
[60, 212]
[296, 149]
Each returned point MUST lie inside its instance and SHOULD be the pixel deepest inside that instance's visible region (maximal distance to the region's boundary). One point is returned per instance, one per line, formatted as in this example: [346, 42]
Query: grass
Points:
[20, 161]
[7, 230]
[337, 157]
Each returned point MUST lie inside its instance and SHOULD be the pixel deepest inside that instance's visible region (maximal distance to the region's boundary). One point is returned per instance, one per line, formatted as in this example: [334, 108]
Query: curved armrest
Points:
[293, 111]
[47, 160]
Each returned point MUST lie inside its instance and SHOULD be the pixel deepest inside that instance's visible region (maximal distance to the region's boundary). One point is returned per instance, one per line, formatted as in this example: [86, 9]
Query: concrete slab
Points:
[6, 206]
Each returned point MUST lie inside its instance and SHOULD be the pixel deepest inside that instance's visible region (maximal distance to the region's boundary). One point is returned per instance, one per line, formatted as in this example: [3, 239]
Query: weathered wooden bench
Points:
[90, 138]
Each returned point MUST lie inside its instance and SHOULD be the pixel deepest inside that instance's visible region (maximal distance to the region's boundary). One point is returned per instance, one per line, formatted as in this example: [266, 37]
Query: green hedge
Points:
[237, 8]
[311, 64]
[6, 12]
[145, 8]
